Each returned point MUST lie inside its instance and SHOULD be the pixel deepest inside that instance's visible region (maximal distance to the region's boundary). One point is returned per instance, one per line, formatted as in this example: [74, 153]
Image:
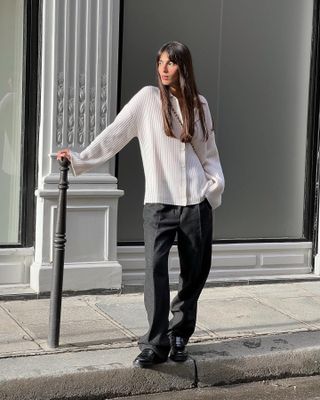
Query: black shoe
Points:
[178, 351]
[147, 358]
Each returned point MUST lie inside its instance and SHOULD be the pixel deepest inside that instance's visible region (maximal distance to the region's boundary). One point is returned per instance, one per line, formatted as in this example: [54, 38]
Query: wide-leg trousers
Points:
[193, 226]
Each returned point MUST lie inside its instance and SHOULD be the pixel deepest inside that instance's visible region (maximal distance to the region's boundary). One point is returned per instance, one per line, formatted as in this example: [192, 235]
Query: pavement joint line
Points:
[76, 349]
[200, 339]
[33, 353]
[196, 376]
[264, 302]
[89, 344]
[207, 330]
[123, 329]
[120, 345]
[24, 329]
[110, 346]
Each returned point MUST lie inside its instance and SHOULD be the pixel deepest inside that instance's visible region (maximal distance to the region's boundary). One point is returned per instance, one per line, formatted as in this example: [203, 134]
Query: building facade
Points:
[70, 67]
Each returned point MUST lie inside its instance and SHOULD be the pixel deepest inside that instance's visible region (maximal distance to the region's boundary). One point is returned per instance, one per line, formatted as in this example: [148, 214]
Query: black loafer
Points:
[178, 351]
[147, 358]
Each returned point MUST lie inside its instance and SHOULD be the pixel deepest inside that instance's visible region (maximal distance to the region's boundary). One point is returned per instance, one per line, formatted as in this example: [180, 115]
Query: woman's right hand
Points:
[65, 153]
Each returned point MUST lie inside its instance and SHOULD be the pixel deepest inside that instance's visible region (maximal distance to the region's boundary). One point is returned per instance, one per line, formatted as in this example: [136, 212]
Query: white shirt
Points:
[175, 173]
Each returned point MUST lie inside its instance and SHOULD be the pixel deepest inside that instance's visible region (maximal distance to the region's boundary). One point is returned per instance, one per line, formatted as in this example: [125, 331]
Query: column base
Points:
[78, 276]
[316, 270]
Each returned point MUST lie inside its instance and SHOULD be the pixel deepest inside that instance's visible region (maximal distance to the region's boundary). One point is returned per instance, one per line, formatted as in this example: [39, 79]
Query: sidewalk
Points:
[243, 333]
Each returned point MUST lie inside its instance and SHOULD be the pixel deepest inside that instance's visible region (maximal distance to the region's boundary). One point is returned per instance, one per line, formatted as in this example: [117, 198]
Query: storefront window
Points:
[11, 72]
[252, 63]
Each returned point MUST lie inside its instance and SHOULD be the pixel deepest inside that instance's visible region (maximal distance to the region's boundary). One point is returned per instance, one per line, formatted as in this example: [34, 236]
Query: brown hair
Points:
[179, 54]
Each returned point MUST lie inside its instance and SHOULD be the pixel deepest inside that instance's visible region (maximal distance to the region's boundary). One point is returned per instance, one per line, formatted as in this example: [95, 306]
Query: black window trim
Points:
[311, 216]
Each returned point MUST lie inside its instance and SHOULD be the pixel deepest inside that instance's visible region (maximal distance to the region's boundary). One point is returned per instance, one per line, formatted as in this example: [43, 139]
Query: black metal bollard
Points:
[58, 257]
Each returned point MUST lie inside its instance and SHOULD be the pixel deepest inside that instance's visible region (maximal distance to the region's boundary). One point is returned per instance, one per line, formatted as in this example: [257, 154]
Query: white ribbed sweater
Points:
[175, 172]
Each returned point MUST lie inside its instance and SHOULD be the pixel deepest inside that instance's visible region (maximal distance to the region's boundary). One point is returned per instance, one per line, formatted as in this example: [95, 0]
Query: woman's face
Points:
[168, 71]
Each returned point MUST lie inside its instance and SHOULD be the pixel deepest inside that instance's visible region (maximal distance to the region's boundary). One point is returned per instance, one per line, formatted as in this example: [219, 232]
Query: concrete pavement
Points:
[244, 333]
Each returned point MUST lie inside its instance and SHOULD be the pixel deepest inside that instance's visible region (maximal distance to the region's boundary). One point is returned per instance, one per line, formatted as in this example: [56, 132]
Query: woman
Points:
[184, 183]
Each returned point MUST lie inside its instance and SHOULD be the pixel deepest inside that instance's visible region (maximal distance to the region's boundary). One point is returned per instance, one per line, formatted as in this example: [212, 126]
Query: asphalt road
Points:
[303, 388]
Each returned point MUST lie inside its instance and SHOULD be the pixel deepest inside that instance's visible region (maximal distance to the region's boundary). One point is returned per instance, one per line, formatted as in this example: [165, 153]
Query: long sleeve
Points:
[110, 141]
[212, 165]
[173, 173]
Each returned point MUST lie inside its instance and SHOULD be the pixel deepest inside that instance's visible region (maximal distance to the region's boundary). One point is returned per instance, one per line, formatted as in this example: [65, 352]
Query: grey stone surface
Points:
[107, 372]
[298, 388]
[11, 344]
[263, 357]
[268, 366]
[93, 385]
[243, 316]
[58, 363]
[12, 337]
[32, 314]
[110, 372]
[130, 315]
[81, 333]
[282, 290]
[8, 324]
[304, 309]
[312, 288]
[228, 292]
[243, 334]
[133, 317]
[257, 345]
[81, 324]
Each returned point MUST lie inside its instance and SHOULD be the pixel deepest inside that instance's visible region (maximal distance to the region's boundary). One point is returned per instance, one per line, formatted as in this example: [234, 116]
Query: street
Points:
[302, 388]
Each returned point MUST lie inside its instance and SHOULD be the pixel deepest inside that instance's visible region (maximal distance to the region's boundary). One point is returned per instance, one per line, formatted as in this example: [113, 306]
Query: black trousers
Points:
[193, 226]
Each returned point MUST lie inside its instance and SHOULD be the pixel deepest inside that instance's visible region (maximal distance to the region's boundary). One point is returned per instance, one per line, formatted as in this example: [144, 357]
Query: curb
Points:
[96, 374]
[108, 373]
[106, 384]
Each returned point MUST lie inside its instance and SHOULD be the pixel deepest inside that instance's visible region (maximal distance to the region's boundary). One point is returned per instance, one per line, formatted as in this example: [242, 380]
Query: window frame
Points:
[312, 182]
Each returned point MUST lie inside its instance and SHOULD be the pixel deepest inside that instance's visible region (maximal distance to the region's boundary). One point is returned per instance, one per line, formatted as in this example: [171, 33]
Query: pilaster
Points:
[78, 100]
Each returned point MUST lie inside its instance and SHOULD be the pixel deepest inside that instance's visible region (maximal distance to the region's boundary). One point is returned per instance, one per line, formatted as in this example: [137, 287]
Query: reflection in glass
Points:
[11, 48]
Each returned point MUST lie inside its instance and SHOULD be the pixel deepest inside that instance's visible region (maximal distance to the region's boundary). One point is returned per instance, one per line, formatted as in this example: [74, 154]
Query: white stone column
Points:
[78, 99]
[317, 256]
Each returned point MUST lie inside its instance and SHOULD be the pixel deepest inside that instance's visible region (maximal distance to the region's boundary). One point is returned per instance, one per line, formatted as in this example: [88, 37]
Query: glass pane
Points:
[252, 61]
[11, 61]
[261, 111]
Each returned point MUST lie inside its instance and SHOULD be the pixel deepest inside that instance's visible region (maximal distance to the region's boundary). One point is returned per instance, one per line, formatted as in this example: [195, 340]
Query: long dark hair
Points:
[179, 54]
